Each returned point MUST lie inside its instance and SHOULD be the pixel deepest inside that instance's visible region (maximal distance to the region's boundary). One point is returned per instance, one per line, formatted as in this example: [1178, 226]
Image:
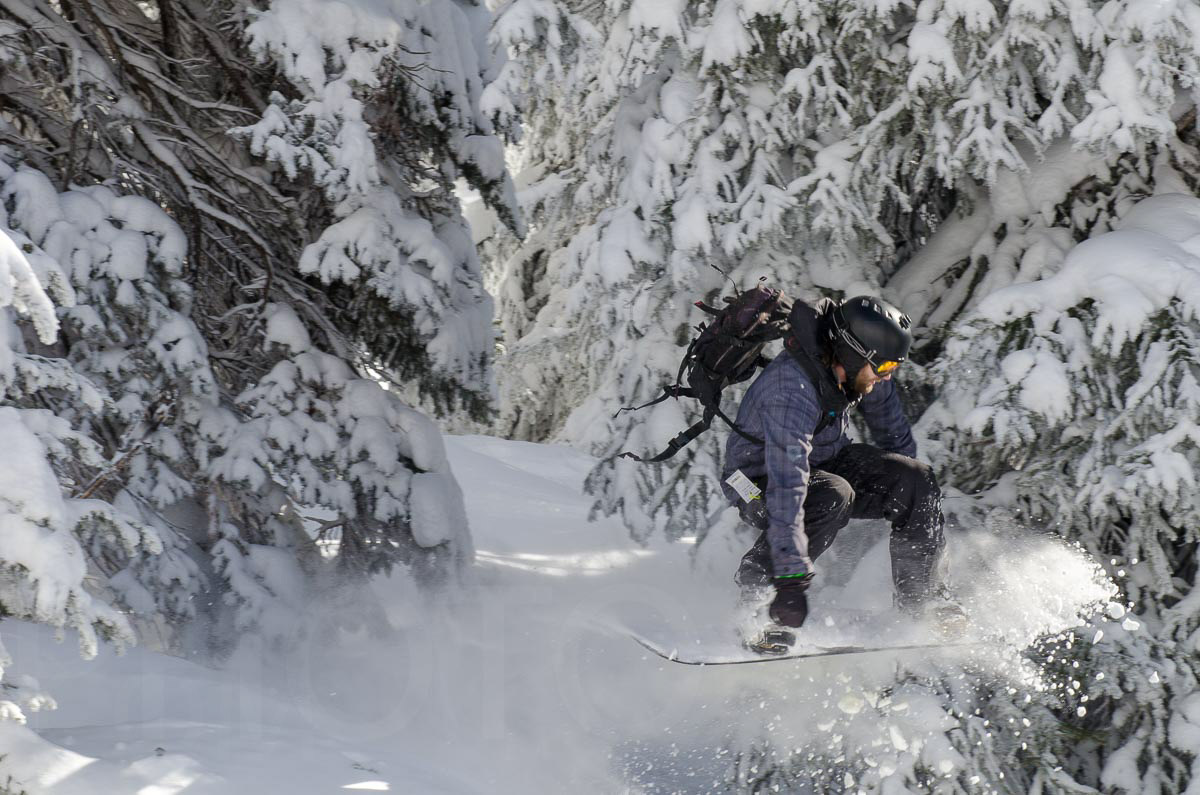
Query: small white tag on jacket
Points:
[744, 486]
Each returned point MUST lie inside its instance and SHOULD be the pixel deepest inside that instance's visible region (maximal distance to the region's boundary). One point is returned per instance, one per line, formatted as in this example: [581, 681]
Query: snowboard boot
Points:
[754, 584]
[755, 590]
[947, 618]
[759, 633]
[771, 641]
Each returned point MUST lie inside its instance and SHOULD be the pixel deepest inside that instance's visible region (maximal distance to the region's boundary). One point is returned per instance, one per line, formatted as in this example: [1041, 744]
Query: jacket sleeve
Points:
[885, 418]
[789, 418]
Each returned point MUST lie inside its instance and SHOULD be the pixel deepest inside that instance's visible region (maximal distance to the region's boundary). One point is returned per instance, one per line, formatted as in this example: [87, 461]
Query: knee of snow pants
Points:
[828, 507]
[917, 543]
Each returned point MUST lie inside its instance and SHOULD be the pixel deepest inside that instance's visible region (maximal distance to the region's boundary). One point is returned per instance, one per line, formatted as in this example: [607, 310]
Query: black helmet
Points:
[866, 329]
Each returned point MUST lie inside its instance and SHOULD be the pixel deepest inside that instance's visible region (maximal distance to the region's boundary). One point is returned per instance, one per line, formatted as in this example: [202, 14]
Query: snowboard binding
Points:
[771, 642]
[757, 632]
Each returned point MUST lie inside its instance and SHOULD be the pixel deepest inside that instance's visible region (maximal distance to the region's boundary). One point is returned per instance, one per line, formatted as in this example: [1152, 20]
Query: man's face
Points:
[866, 380]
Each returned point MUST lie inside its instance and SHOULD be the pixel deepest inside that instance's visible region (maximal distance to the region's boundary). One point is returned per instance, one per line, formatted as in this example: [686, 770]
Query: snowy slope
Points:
[527, 682]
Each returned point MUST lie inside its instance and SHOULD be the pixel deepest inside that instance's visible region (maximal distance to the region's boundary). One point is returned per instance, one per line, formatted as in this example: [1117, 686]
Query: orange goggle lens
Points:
[883, 368]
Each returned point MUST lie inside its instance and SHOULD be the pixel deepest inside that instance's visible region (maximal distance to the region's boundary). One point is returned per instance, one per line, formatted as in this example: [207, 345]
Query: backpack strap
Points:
[678, 443]
[670, 391]
[685, 437]
[734, 427]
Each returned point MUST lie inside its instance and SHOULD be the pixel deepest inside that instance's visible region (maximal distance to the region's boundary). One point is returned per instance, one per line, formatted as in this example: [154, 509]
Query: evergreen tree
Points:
[247, 217]
[46, 533]
[1089, 418]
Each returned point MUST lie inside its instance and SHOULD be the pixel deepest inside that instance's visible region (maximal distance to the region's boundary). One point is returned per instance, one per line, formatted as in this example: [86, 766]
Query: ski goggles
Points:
[881, 369]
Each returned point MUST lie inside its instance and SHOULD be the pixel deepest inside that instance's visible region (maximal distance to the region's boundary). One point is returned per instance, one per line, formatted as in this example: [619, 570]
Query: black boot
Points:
[754, 573]
[938, 608]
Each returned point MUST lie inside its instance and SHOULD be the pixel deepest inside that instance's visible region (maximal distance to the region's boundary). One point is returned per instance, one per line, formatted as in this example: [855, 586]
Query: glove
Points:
[790, 606]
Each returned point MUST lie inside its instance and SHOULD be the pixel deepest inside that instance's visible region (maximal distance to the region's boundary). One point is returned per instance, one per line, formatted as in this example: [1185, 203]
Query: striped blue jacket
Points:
[782, 408]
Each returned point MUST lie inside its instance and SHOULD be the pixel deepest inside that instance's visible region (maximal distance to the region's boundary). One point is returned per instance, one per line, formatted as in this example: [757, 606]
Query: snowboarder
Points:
[813, 480]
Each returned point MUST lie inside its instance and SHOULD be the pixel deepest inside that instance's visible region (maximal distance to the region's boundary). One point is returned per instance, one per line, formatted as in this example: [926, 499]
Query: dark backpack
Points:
[728, 350]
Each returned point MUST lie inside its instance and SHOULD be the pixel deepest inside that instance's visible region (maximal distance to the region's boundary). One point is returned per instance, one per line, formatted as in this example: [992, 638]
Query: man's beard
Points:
[862, 382]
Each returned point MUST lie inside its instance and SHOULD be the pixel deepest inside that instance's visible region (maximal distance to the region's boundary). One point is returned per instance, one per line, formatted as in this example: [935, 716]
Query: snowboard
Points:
[746, 656]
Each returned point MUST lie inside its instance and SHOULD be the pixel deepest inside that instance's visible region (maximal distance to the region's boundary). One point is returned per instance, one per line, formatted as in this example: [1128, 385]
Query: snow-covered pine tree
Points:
[380, 113]
[47, 532]
[255, 211]
[134, 361]
[818, 144]
[1086, 413]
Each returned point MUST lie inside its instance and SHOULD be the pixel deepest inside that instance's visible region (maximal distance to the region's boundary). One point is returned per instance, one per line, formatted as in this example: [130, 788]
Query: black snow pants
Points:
[864, 482]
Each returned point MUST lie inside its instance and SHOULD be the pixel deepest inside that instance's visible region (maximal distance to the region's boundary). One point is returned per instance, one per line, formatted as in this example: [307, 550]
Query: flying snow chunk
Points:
[851, 704]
